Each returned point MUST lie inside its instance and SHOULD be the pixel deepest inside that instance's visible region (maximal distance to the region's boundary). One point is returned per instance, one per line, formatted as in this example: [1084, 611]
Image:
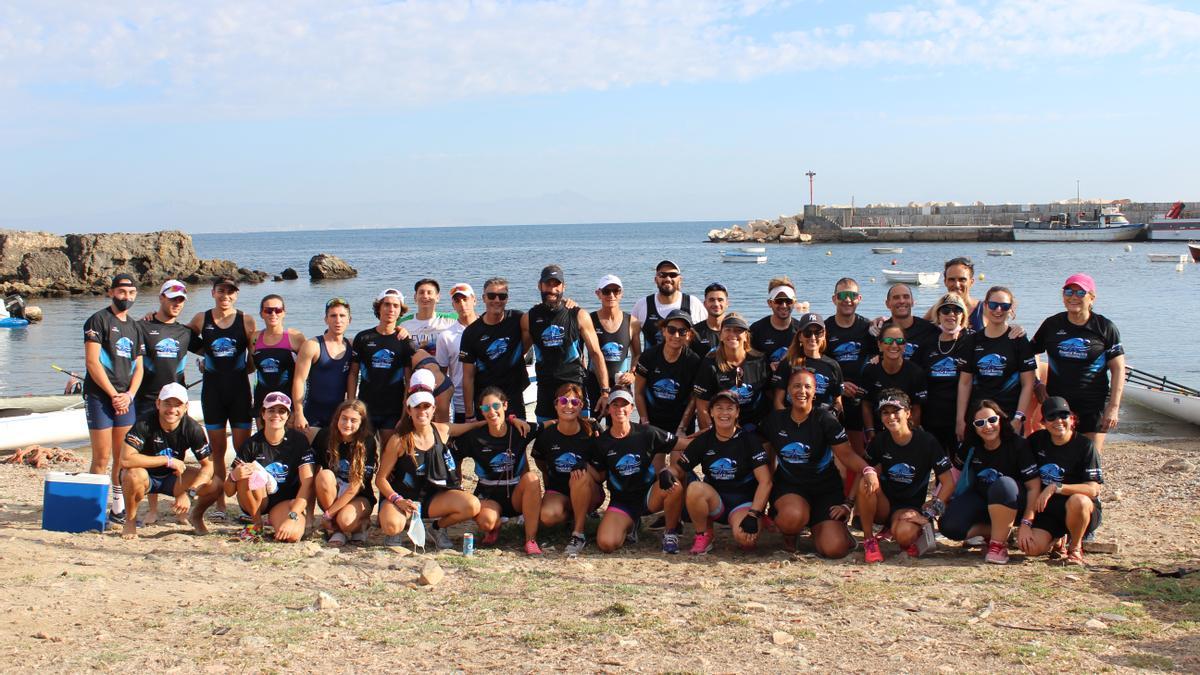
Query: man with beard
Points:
[650, 310]
[558, 335]
[492, 352]
[773, 333]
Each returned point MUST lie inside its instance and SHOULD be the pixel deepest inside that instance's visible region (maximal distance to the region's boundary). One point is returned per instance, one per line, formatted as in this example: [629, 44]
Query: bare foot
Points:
[151, 510]
[129, 529]
[196, 520]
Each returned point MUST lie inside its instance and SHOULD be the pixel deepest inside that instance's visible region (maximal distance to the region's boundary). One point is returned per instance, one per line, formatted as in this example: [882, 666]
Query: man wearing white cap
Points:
[772, 334]
[167, 343]
[654, 307]
[617, 332]
[462, 296]
[152, 458]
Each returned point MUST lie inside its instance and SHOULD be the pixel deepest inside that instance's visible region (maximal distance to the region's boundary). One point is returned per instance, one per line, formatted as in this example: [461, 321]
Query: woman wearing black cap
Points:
[1069, 502]
[734, 366]
[665, 375]
[807, 352]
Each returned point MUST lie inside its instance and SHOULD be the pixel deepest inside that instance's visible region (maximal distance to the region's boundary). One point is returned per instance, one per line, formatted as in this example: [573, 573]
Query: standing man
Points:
[449, 344]
[428, 323]
[772, 334]
[112, 352]
[492, 352]
[918, 332]
[166, 344]
[706, 335]
[558, 335]
[617, 332]
[849, 341]
[653, 308]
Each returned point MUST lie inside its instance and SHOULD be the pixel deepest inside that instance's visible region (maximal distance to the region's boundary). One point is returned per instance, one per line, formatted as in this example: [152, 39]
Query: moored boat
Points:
[10, 405]
[1167, 257]
[1162, 395]
[1174, 225]
[1109, 224]
[50, 428]
[999, 251]
[919, 278]
[1194, 249]
[887, 249]
[742, 257]
[753, 249]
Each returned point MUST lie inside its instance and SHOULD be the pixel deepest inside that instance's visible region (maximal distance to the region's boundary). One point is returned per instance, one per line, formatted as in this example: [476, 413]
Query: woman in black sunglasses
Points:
[561, 452]
[998, 367]
[999, 478]
[893, 371]
[807, 352]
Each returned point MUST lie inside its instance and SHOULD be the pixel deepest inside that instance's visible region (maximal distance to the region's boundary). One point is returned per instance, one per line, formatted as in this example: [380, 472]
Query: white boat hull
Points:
[1121, 233]
[1174, 230]
[885, 250]
[919, 278]
[743, 258]
[63, 426]
[1167, 257]
[999, 251]
[1172, 404]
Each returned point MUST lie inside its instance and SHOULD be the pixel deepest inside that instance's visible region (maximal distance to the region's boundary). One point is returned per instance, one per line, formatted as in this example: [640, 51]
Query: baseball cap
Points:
[620, 395]
[1055, 405]
[734, 321]
[728, 395]
[418, 397]
[225, 281]
[609, 280]
[951, 299]
[676, 315]
[123, 280]
[666, 263]
[811, 319]
[462, 289]
[173, 288]
[1081, 280]
[552, 272]
[173, 390]
[277, 398]
[785, 291]
[421, 379]
[390, 293]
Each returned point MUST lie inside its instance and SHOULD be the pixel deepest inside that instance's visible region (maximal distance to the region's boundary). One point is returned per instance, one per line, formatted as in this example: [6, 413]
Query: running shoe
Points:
[394, 540]
[885, 534]
[997, 553]
[442, 540]
[670, 543]
[532, 549]
[872, 554]
[359, 537]
[659, 523]
[631, 537]
[703, 543]
[217, 516]
[491, 537]
[575, 546]
[975, 542]
[913, 551]
[118, 518]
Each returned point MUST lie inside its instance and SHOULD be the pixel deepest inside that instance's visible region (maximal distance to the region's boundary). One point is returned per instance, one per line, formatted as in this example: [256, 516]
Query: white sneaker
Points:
[576, 545]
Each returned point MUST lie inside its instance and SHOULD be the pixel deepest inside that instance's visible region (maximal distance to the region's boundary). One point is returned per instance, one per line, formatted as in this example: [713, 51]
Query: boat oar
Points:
[1141, 377]
[77, 377]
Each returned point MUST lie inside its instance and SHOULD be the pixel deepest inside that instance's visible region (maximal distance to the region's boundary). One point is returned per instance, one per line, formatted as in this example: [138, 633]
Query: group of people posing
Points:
[792, 423]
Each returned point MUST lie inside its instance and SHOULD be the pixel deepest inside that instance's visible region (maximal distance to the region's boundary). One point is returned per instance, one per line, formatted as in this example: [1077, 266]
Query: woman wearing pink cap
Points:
[1084, 352]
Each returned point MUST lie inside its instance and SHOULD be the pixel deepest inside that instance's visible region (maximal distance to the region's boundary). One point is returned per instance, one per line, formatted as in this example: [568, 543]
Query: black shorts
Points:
[852, 419]
[384, 422]
[502, 495]
[1053, 518]
[1089, 422]
[634, 503]
[730, 502]
[226, 400]
[281, 495]
[819, 501]
[898, 504]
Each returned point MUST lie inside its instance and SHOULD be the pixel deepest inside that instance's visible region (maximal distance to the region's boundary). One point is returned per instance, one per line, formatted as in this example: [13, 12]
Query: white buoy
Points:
[1179, 267]
[828, 252]
[1128, 248]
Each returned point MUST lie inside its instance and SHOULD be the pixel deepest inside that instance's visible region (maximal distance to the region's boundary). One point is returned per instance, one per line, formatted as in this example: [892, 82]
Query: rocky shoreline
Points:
[783, 229]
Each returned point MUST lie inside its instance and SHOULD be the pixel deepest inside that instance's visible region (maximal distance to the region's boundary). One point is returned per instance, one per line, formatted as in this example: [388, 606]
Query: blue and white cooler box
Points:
[75, 502]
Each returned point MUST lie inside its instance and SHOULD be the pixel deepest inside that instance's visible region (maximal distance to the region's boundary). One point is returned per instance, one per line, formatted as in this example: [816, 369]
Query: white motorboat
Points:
[1162, 395]
[742, 257]
[919, 278]
[753, 249]
[1167, 257]
[999, 251]
[1108, 224]
[887, 249]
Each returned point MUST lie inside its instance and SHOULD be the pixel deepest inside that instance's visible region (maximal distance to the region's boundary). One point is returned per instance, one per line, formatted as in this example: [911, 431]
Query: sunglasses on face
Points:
[950, 309]
[491, 406]
[568, 401]
[272, 310]
[784, 301]
[610, 291]
[495, 296]
[676, 331]
[843, 296]
[987, 421]
[1057, 417]
[669, 275]
[892, 340]
[813, 332]
[1002, 306]
[1076, 292]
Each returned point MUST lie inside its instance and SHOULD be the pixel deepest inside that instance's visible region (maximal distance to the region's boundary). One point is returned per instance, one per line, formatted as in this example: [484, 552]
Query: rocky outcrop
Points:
[289, 274]
[326, 266]
[39, 263]
[782, 229]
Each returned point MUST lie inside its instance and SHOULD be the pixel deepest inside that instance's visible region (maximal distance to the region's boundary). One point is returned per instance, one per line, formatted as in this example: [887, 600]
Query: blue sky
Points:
[262, 115]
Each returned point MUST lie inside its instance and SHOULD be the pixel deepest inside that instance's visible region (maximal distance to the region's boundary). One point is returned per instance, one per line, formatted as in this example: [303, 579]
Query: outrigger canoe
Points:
[1162, 395]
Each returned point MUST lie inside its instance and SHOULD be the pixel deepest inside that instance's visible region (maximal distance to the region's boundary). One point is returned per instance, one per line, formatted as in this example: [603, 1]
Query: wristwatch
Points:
[292, 515]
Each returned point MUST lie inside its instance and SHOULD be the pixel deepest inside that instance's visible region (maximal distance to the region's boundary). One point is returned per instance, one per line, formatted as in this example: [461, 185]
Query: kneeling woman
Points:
[891, 491]
[999, 476]
[737, 480]
[347, 453]
[808, 489]
[418, 475]
[1069, 465]
[272, 474]
[562, 452]
[625, 456]
[506, 487]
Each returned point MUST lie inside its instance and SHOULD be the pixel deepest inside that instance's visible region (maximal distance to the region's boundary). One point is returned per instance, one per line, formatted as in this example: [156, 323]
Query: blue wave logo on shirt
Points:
[343, 469]
[223, 348]
[629, 465]
[847, 351]
[497, 349]
[777, 355]
[167, 348]
[1051, 473]
[269, 366]
[612, 351]
[745, 393]
[166, 452]
[665, 390]
[795, 453]
[723, 469]
[988, 476]
[567, 462]
[902, 473]
[910, 348]
[944, 367]
[1074, 348]
[278, 470]
[553, 336]
[124, 348]
[991, 365]
[383, 359]
[822, 383]
[502, 463]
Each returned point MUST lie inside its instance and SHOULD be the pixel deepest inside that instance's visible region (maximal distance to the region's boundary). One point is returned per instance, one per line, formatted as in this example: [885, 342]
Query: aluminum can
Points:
[468, 544]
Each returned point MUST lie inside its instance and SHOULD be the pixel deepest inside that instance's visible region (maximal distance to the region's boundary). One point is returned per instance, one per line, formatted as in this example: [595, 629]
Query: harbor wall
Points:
[981, 214]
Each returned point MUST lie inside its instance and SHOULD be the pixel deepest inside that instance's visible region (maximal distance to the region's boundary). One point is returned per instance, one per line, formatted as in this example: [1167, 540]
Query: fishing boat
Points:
[742, 257]
[1174, 225]
[919, 278]
[999, 251]
[887, 249]
[1108, 224]
[1167, 257]
[1194, 249]
[1162, 395]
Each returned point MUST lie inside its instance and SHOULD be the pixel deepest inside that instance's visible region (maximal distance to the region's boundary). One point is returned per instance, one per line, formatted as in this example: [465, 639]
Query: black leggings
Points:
[971, 508]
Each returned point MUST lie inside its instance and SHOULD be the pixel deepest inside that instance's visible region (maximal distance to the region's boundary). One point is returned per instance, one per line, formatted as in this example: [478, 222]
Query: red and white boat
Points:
[1194, 249]
[1175, 225]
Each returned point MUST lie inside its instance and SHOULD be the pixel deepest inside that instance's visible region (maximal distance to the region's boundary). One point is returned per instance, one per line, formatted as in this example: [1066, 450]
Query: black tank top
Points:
[651, 335]
[224, 349]
[557, 344]
[614, 346]
[274, 365]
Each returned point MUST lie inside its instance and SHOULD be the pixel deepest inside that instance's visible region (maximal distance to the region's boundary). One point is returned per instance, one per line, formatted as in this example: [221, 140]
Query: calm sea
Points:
[1154, 306]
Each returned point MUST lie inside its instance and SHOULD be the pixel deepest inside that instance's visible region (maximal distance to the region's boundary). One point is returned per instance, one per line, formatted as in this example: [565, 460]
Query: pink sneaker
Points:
[703, 543]
[490, 538]
[871, 551]
[532, 548]
[997, 553]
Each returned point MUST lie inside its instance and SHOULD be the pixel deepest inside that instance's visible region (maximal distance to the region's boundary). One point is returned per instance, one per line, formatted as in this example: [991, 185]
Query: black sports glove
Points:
[750, 525]
[666, 479]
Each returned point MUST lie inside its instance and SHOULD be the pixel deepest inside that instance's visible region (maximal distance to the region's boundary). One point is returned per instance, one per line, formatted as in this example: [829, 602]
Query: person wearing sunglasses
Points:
[668, 281]
[505, 486]
[736, 477]
[998, 367]
[665, 377]
[706, 334]
[734, 366]
[322, 368]
[226, 334]
[1086, 359]
[561, 452]
[849, 341]
[492, 352]
[942, 360]
[275, 349]
[806, 444]
[959, 276]
[1069, 502]
[999, 480]
[892, 489]
[893, 371]
[772, 334]
[807, 352]
[617, 332]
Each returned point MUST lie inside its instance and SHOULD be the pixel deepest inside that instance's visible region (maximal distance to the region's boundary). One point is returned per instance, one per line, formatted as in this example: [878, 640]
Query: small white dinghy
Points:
[742, 257]
[1162, 395]
[919, 278]
[887, 250]
[999, 251]
[1175, 258]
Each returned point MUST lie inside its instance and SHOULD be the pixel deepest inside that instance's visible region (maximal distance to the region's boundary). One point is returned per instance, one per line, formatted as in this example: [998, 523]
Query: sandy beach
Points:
[171, 601]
